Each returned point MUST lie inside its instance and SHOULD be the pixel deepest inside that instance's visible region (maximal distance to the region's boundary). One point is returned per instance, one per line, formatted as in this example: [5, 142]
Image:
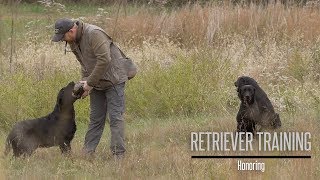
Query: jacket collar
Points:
[79, 31]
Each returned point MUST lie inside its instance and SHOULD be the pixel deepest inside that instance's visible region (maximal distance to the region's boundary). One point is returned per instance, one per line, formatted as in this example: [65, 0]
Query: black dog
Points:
[249, 110]
[259, 107]
[55, 129]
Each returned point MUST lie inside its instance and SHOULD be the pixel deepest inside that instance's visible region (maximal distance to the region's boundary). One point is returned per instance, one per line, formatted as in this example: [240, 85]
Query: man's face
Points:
[70, 36]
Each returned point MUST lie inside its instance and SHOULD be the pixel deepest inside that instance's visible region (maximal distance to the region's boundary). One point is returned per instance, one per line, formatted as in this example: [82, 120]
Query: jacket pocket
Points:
[111, 75]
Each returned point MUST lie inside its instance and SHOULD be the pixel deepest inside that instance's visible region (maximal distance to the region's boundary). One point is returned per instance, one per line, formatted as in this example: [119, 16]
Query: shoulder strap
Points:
[100, 29]
[119, 49]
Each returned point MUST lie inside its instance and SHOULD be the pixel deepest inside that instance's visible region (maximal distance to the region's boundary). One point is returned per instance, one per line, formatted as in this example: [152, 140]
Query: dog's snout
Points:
[247, 97]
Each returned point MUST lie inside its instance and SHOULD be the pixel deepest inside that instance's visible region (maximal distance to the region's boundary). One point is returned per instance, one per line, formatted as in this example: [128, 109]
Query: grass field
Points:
[188, 60]
[159, 148]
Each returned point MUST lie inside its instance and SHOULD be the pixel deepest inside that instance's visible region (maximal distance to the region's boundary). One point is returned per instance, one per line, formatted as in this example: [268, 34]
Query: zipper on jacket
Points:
[81, 57]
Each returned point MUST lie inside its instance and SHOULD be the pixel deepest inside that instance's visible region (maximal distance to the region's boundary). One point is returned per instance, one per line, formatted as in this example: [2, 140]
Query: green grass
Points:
[23, 8]
[27, 97]
[36, 21]
[183, 88]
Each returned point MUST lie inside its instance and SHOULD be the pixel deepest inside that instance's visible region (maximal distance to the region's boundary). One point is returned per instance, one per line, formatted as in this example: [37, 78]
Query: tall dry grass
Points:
[191, 52]
[197, 25]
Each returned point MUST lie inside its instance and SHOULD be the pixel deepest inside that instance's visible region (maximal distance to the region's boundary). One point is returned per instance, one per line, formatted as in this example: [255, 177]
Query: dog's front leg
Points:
[65, 148]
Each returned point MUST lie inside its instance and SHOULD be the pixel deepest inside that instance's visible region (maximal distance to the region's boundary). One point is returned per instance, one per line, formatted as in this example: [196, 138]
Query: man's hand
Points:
[86, 89]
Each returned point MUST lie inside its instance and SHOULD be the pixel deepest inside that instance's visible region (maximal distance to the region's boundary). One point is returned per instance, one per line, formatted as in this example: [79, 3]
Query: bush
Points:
[200, 83]
[24, 96]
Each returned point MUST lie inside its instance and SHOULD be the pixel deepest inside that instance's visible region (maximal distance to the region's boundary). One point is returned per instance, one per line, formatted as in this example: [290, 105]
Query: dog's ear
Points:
[239, 93]
[253, 90]
[59, 98]
[71, 83]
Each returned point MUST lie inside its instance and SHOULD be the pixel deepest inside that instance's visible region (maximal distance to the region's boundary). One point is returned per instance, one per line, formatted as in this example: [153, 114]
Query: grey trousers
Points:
[103, 102]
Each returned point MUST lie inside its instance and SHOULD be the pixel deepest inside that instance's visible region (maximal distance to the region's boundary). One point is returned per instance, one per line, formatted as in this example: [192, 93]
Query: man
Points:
[103, 75]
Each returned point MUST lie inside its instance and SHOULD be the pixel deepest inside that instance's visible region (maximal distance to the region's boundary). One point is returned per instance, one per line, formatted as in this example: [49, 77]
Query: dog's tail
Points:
[8, 146]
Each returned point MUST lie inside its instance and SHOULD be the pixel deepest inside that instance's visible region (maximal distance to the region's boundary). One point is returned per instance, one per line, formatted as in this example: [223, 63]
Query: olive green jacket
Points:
[102, 63]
